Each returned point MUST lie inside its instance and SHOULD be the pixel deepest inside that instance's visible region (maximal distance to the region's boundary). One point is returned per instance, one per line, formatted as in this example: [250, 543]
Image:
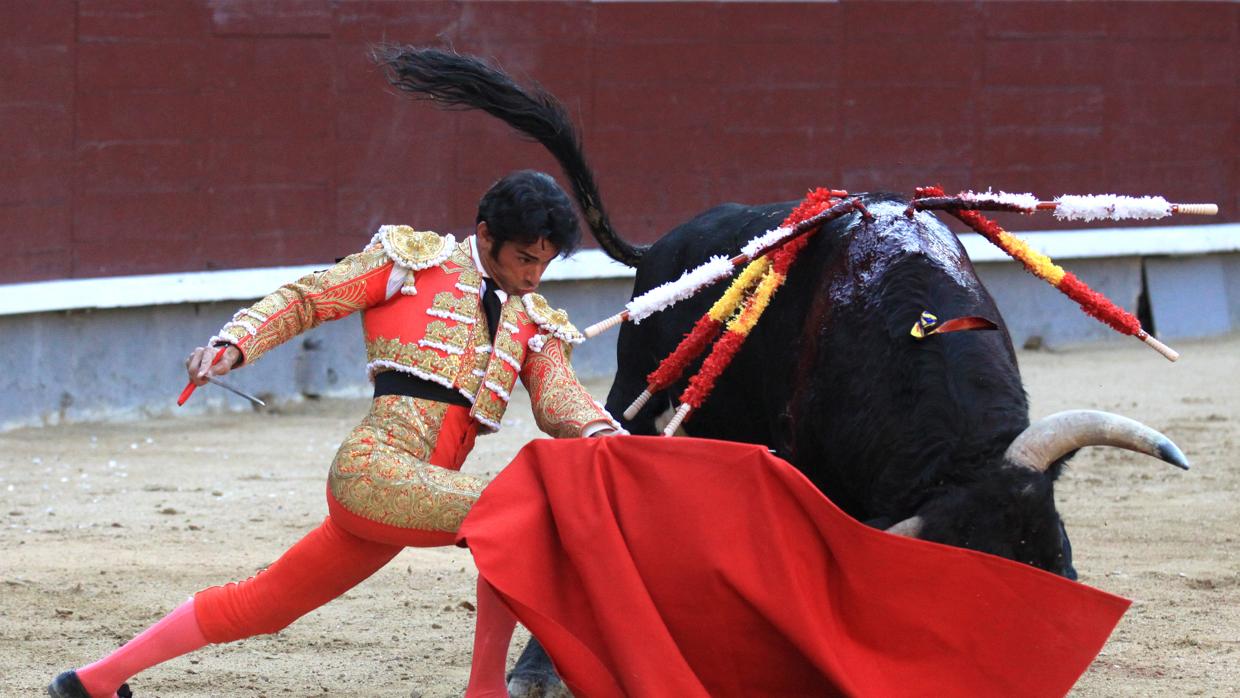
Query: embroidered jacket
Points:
[420, 297]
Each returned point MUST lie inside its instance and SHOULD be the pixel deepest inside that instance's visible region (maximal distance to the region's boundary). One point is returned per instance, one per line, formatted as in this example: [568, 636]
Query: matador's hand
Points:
[606, 431]
[198, 365]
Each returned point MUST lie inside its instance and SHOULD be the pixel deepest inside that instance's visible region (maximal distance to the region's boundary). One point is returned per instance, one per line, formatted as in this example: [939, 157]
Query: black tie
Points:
[490, 305]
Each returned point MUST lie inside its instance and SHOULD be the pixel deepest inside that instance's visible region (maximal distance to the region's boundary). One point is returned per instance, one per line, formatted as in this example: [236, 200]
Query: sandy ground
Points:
[108, 526]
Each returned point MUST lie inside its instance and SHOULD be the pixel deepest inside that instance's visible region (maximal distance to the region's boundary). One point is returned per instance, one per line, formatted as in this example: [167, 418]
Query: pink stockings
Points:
[173, 636]
[492, 633]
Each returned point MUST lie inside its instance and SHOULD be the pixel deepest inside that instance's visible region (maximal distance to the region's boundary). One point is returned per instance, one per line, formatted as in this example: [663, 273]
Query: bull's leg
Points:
[534, 676]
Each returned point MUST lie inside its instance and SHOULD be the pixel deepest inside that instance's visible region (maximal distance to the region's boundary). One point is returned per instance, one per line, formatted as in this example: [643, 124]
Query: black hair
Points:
[526, 206]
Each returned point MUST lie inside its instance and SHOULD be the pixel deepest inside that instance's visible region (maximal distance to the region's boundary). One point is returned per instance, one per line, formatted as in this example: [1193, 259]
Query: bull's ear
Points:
[909, 528]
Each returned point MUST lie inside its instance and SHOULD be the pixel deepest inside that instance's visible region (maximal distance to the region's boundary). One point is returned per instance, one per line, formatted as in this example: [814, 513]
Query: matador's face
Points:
[519, 267]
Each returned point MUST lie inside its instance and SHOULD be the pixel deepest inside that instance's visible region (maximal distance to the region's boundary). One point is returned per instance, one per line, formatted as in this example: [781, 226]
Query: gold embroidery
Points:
[507, 343]
[416, 249]
[454, 335]
[426, 361]
[308, 302]
[469, 382]
[461, 261]
[554, 320]
[233, 333]
[461, 306]
[381, 473]
[466, 379]
[470, 278]
[543, 313]
[488, 409]
[490, 404]
[561, 405]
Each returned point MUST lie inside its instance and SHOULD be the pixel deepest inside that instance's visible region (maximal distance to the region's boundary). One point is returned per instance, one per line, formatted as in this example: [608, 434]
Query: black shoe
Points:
[68, 685]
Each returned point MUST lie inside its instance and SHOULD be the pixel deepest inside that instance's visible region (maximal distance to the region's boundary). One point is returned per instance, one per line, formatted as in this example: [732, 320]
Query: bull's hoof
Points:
[534, 676]
[537, 686]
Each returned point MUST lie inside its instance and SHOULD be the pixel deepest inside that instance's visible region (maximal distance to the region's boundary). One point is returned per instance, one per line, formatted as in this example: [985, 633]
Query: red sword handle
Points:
[190, 387]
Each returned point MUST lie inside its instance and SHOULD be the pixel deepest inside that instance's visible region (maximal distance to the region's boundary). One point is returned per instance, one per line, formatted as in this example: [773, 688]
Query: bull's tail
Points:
[453, 81]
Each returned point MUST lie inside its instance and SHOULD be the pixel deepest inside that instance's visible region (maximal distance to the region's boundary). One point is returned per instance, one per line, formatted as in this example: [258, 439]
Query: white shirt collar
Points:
[473, 248]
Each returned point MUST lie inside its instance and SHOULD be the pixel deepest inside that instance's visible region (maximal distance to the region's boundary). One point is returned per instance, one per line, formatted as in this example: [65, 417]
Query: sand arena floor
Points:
[106, 527]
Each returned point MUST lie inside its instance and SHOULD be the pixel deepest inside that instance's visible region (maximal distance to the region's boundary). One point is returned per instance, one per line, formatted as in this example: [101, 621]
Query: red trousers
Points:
[331, 559]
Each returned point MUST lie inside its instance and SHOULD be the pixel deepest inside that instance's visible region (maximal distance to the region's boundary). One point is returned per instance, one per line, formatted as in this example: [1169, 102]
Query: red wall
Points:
[145, 136]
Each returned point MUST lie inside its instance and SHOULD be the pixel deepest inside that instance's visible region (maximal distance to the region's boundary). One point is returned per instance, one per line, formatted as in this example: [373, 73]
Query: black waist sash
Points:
[401, 383]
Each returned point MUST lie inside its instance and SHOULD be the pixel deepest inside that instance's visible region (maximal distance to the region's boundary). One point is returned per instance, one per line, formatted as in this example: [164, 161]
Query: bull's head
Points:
[1012, 513]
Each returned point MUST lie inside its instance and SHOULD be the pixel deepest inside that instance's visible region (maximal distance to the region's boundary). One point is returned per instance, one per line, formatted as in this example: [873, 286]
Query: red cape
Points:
[652, 566]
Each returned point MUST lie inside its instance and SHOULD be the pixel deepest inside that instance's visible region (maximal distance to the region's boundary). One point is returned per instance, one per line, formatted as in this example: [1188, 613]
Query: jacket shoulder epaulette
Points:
[552, 320]
[414, 249]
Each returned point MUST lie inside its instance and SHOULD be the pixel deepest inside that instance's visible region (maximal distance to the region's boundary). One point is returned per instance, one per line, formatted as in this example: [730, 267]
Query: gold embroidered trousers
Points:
[399, 466]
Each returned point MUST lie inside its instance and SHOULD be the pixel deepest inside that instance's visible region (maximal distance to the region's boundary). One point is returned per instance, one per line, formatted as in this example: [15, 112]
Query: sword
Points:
[229, 388]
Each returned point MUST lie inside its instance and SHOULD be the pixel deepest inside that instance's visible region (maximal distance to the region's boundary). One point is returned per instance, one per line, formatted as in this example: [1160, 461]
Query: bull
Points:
[930, 437]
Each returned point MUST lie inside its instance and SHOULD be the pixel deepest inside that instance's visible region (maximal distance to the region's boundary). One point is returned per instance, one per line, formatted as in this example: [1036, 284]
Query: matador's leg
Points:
[324, 564]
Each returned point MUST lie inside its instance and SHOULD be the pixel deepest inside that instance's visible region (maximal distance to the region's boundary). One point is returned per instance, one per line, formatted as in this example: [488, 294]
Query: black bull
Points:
[887, 426]
[925, 437]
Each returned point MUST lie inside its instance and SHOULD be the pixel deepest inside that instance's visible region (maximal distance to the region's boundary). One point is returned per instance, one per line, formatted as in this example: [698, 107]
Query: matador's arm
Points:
[356, 282]
[562, 407]
[361, 280]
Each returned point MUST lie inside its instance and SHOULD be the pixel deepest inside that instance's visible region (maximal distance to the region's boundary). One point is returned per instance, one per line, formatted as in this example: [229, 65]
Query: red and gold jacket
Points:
[420, 297]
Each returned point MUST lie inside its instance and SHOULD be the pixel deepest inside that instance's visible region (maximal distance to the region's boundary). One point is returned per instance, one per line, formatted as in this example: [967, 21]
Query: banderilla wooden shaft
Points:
[1195, 209]
[1158, 346]
[639, 403]
[681, 413]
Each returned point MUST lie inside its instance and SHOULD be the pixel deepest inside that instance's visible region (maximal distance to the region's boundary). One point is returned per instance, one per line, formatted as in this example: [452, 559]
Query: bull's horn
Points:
[909, 528]
[1050, 438]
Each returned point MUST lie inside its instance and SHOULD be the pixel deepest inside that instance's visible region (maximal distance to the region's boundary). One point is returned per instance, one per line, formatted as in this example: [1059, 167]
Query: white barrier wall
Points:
[115, 347]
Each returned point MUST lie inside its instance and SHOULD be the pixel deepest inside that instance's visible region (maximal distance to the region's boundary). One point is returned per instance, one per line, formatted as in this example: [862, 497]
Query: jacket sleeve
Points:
[562, 407]
[356, 282]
